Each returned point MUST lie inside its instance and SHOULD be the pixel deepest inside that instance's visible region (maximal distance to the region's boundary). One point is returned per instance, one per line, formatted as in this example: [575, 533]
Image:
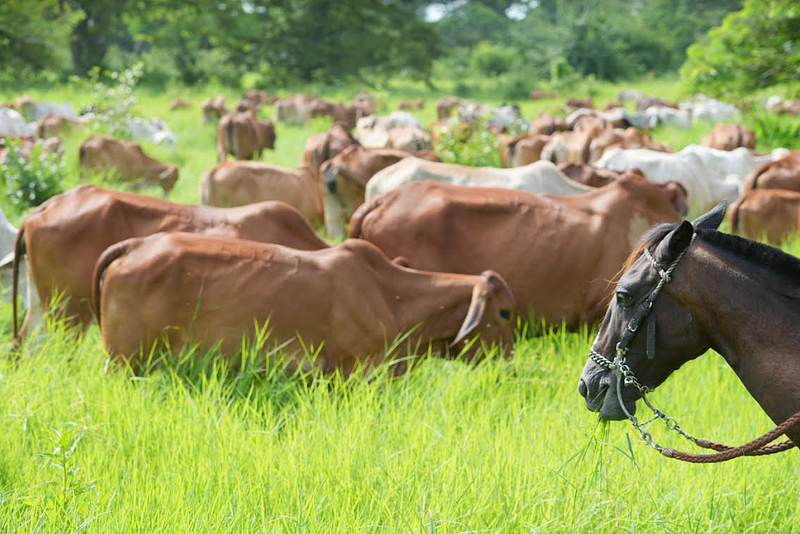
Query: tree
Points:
[34, 35]
[99, 26]
[753, 48]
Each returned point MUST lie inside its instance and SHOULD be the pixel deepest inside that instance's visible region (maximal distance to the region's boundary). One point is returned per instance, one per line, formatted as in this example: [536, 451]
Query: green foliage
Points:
[478, 150]
[113, 101]
[491, 59]
[753, 48]
[27, 182]
[776, 131]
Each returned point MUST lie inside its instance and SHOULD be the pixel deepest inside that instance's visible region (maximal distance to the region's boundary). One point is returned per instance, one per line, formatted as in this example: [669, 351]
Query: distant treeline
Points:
[280, 42]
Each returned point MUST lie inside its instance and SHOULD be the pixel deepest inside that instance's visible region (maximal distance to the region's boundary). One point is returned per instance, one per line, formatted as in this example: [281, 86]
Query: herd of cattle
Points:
[443, 251]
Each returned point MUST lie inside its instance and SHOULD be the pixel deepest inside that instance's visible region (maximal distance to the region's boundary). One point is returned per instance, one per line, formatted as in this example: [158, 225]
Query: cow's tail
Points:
[733, 214]
[108, 256]
[357, 220]
[19, 250]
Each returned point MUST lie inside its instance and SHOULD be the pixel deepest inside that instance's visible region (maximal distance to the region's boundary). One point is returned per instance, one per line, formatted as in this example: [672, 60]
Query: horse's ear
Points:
[674, 243]
[712, 219]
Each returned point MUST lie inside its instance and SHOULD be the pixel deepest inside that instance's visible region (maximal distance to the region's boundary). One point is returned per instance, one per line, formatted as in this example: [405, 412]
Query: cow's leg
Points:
[334, 216]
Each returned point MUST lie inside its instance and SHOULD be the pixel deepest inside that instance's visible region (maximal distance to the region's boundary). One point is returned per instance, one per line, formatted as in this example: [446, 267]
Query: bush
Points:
[114, 102]
[478, 150]
[29, 182]
[773, 131]
[491, 59]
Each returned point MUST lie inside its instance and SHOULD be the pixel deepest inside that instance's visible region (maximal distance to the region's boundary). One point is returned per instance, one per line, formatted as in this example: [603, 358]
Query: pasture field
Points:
[501, 446]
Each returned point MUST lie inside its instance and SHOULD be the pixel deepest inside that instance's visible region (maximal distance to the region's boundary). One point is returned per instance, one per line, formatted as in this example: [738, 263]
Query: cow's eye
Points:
[505, 314]
[624, 298]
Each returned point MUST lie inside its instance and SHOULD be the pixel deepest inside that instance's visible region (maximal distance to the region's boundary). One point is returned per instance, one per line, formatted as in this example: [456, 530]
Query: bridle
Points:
[619, 366]
[625, 377]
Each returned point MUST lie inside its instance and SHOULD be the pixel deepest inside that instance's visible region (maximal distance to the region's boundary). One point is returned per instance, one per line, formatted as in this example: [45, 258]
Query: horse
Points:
[715, 291]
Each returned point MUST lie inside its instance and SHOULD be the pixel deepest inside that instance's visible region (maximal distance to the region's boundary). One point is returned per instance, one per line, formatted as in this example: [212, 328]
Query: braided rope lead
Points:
[754, 448]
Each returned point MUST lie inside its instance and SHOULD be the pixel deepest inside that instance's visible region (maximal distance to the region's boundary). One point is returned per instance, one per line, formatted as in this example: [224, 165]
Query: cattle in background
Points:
[783, 173]
[375, 302]
[628, 138]
[26, 145]
[669, 116]
[345, 179]
[238, 183]
[548, 125]
[569, 147]
[446, 105]
[499, 119]
[773, 214]
[36, 110]
[243, 136]
[348, 115]
[558, 254]
[588, 175]
[154, 130]
[399, 130]
[366, 103]
[523, 149]
[294, 109]
[645, 102]
[127, 160]
[729, 137]
[419, 103]
[708, 109]
[709, 175]
[578, 103]
[323, 146]
[452, 127]
[179, 103]
[626, 95]
[63, 238]
[13, 124]
[52, 125]
[214, 109]
[538, 177]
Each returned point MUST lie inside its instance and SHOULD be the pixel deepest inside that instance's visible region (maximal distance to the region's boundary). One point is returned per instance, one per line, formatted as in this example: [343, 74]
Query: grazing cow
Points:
[26, 145]
[548, 125]
[64, 236]
[588, 175]
[523, 149]
[773, 214]
[610, 106]
[243, 136]
[668, 116]
[499, 119]
[211, 291]
[708, 109]
[578, 103]
[179, 103]
[709, 175]
[12, 124]
[36, 110]
[345, 178]
[790, 107]
[570, 147]
[558, 254]
[645, 102]
[214, 109]
[348, 115]
[729, 137]
[538, 177]
[238, 183]
[128, 160]
[399, 130]
[446, 105]
[323, 146]
[419, 103]
[783, 173]
[294, 109]
[365, 103]
[625, 95]
[625, 139]
[153, 130]
[53, 125]
[260, 97]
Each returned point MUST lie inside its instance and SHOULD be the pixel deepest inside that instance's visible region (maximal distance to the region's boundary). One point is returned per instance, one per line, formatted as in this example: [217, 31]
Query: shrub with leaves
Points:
[113, 102]
[27, 182]
[472, 145]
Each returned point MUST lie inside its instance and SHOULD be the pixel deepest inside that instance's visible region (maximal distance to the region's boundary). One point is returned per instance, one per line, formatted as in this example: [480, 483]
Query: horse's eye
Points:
[505, 314]
[624, 298]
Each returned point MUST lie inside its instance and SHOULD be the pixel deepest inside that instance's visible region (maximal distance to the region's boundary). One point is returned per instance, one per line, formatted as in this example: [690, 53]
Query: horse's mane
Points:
[764, 256]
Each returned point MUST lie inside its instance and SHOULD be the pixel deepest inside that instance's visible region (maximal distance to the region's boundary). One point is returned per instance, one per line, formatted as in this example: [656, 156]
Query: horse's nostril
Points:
[582, 388]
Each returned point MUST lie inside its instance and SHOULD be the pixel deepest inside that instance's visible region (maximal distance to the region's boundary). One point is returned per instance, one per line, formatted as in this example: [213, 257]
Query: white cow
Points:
[708, 109]
[7, 236]
[399, 130]
[154, 130]
[537, 177]
[669, 116]
[500, 118]
[12, 124]
[37, 110]
[638, 119]
[709, 175]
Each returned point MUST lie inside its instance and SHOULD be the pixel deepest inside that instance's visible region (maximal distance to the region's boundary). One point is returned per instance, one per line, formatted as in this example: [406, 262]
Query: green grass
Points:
[504, 446]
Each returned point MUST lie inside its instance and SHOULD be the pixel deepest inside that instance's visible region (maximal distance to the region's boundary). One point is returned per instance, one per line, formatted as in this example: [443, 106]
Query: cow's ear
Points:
[712, 219]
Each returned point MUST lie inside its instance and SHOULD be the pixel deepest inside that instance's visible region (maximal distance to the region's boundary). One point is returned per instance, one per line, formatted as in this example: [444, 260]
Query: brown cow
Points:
[179, 103]
[626, 139]
[349, 302]
[323, 146]
[446, 105]
[65, 235]
[644, 102]
[569, 147]
[548, 125]
[348, 115]
[419, 103]
[26, 145]
[238, 183]
[783, 173]
[588, 175]
[730, 137]
[128, 160]
[773, 214]
[345, 178]
[243, 136]
[214, 109]
[52, 125]
[557, 253]
[523, 149]
[579, 103]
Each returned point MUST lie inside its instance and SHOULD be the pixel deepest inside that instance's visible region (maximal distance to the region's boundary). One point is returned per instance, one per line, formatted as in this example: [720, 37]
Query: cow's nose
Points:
[583, 389]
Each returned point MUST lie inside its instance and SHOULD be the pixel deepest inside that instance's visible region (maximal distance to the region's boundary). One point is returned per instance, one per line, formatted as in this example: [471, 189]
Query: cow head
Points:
[168, 178]
[489, 314]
